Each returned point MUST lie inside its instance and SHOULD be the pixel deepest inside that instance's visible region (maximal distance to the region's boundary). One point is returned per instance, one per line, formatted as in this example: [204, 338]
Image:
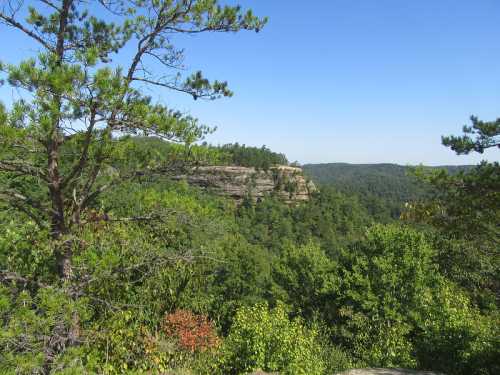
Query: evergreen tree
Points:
[60, 137]
[464, 209]
[82, 90]
[478, 137]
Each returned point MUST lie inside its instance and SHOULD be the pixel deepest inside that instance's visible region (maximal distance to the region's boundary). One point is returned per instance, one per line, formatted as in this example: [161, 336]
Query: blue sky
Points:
[359, 81]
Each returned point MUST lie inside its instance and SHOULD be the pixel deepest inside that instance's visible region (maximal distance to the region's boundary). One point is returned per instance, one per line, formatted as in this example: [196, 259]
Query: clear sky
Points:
[361, 81]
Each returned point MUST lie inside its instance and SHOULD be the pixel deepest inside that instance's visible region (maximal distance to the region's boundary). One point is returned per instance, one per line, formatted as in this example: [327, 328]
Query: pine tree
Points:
[81, 90]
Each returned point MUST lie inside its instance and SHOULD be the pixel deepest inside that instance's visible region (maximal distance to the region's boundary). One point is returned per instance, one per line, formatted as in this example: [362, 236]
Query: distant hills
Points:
[382, 188]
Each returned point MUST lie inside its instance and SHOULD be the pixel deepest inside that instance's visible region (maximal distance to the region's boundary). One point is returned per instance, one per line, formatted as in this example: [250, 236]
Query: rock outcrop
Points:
[387, 371]
[288, 183]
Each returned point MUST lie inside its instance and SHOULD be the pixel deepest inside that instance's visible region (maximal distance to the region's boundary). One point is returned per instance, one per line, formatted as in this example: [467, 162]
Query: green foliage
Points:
[267, 340]
[377, 298]
[455, 337]
[82, 270]
[246, 156]
[396, 309]
[383, 189]
[385, 278]
[465, 204]
[332, 218]
[471, 264]
[27, 323]
[24, 249]
[307, 280]
[100, 251]
[337, 359]
[62, 136]
[464, 211]
[150, 154]
[486, 135]
[242, 278]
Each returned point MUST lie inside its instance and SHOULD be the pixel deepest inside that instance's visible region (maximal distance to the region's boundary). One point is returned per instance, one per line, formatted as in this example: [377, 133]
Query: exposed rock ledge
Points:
[386, 371]
[286, 182]
[370, 371]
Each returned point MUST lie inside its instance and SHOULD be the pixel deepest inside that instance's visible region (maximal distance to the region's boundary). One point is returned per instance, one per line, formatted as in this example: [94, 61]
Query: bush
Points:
[192, 332]
[264, 339]
[455, 337]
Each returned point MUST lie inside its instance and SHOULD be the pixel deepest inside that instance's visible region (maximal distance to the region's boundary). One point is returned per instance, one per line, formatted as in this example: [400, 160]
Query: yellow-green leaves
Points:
[266, 339]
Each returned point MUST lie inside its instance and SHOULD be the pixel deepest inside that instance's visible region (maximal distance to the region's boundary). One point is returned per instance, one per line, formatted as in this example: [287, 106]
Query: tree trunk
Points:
[58, 225]
[63, 249]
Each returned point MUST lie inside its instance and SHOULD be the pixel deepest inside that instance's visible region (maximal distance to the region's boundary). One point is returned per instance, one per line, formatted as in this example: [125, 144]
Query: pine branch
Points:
[10, 21]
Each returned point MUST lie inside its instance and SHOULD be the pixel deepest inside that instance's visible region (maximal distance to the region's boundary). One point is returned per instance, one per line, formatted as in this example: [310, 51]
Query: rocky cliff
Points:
[286, 182]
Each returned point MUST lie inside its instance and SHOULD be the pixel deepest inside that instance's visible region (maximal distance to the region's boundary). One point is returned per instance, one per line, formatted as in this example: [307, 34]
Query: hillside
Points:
[383, 188]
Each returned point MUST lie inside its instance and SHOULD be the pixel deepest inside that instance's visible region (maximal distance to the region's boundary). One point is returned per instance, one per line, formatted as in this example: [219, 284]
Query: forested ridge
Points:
[109, 264]
[383, 188]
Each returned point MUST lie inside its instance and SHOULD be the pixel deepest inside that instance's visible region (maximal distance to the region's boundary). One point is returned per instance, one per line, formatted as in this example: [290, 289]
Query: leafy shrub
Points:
[455, 337]
[378, 341]
[337, 359]
[192, 332]
[268, 340]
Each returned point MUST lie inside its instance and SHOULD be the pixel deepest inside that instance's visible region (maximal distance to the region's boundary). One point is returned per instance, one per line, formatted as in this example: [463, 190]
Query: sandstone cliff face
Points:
[286, 182]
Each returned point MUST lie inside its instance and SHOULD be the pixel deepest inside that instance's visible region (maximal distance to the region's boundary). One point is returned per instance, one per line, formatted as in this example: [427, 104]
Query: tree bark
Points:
[58, 220]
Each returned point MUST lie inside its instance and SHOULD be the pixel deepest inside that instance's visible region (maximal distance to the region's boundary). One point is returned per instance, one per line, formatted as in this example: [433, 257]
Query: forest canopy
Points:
[109, 265]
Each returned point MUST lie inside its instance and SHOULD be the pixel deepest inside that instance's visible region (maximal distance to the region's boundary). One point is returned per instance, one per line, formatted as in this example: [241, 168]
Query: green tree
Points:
[61, 136]
[383, 281]
[307, 280]
[260, 158]
[81, 92]
[470, 200]
[455, 337]
[396, 309]
[464, 210]
[478, 137]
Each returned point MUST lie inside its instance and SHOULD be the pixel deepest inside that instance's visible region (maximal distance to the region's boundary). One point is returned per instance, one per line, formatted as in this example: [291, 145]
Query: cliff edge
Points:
[237, 182]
